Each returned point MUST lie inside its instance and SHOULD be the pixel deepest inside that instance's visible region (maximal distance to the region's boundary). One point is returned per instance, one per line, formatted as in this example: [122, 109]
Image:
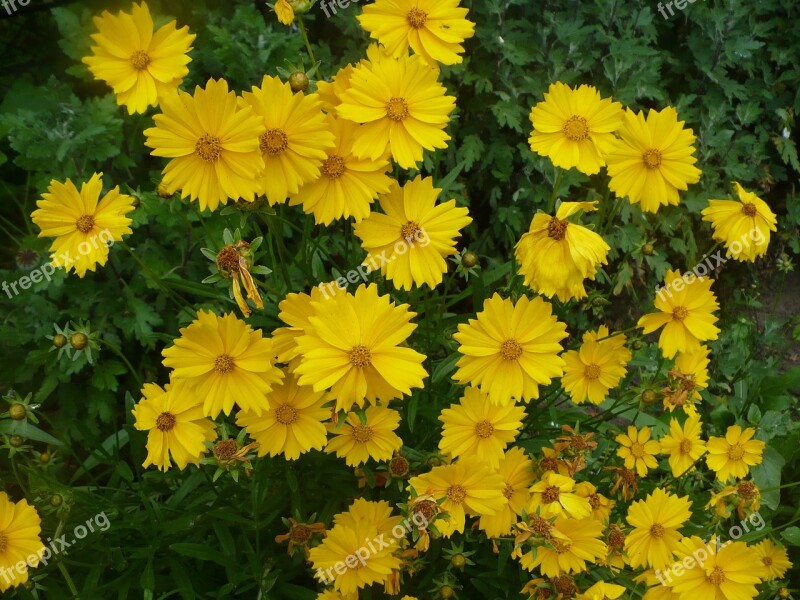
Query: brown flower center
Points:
[594, 501]
[410, 231]
[657, 530]
[273, 142]
[223, 364]
[397, 109]
[616, 539]
[362, 433]
[716, 577]
[510, 350]
[333, 167]
[551, 494]
[85, 223]
[540, 525]
[416, 18]
[165, 421]
[736, 452]
[140, 60]
[484, 429]
[747, 489]
[557, 229]
[652, 158]
[228, 259]
[749, 209]
[399, 466]
[225, 449]
[592, 372]
[576, 128]
[300, 533]
[679, 313]
[562, 546]
[286, 414]
[456, 493]
[508, 491]
[686, 446]
[360, 356]
[208, 148]
[767, 560]
[565, 585]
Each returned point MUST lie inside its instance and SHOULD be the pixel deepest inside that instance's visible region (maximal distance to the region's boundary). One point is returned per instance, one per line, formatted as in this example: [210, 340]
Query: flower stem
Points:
[302, 27]
[551, 207]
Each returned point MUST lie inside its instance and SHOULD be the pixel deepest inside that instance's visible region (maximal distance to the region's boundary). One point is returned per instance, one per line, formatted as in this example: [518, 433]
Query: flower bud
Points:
[17, 411]
[298, 81]
[78, 340]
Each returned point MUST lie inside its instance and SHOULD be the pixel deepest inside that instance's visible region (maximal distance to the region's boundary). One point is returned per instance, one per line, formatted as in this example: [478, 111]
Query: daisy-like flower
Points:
[410, 241]
[686, 306]
[175, 424]
[653, 160]
[140, 65]
[638, 450]
[510, 349]
[733, 455]
[773, 558]
[656, 521]
[378, 514]
[597, 367]
[602, 591]
[293, 424]
[20, 527]
[689, 376]
[347, 185]
[477, 427]
[556, 255]
[358, 441]
[83, 224]
[226, 361]
[401, 104]
[352, 347]
[468, 487]
[575, 127]
[516, 469]
[212, 143]
[684, 445]
[727, 573]
[600, 505]
[434, 29]
[294, 312]
[296, 138]
[299, 534]
[571, 543]
[554, 495]
[744, 225]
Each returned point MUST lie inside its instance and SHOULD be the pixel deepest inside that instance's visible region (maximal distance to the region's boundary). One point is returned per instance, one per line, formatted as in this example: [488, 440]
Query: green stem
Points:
[302, 27]
[551, 205]
[60, 565]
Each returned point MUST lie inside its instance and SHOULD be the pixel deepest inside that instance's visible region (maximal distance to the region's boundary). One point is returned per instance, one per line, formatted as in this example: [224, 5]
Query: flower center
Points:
[510, 350]
[749, 209]
[557, 229]
[616, 539]
[736, 452]
[657, 530]
[747, 489]
[652, 158]
[679, 313]
[592, 371]
[300, 533]
[399, 466]
[767, 561]
[165, 421]
[225, 449]
[228, 259]
[716, 577]
[397, 109]
[362, 433]
[208, 148]
[551, 494]
[273, 142]
[85, 223]
[637, 450]
[223, 364]
[686, 446]
[140, 60]
[540, 525]
[286, 414]
[456, 493]
[360, 356]
[333, 167]
[410, 231]
[484, 429]
[576, 128]
[562, 546]
[508, 491]
[416, 18]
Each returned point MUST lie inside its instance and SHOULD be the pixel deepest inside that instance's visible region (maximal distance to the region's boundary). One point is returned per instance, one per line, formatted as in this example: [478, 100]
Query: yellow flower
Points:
[516, 470]
[177, 428]
[141, 66]
[575, 127]
[410, 241]
[687, 305]
[378, 514]
[400, 103]
[295, 310]
[233, 262]
[656, 521]
[83, 224]
[334, 595]
[226, 361]
[653, 159]
[744, 225]
[683, 444]
[284, 11]
[352, 347]
[555, 255]
[510, 349]
[690, 376]
[347, 185]
[571, 543]
[296, 138]
[554, 495]
[293, 424]
[733, 455]
[745, 497]
[20, 527]
[773, 558]
[596, 368]
[638, 450]
[212, 143]
[357, 441]
[435, 29]
[600, 505]
[602, 591]
[468, 488]
[477, 427]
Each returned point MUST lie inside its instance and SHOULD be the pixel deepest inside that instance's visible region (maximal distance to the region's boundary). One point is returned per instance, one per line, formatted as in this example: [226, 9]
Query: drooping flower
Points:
[734, 454]
[684, 445]
[653, 159]
[656, 522]
[600, 505]
[234, 262]
[597, 367]
[212, 143]
[575, 127]
[434, 29]
[410, 241]
[556, 255]
[638, 450]
[744, 225]
[83, 224]
[140, 65]
[571, 543]
[554, 495]
[358, 441]
[516, 470]
[773, 558]
[744, 497]
[510, 349]
[689, 376]
[176, 425]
